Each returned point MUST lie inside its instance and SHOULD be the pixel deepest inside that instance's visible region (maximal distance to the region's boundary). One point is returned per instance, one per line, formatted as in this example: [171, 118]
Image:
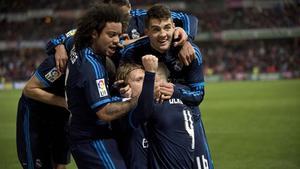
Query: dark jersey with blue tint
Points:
[87, 91]
[132, 143]
[191, 77]
[47, 73]
[170, 129]
[136, 27]
[137, 23]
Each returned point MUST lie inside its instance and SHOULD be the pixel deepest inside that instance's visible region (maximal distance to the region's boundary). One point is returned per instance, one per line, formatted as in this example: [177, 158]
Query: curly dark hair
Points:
[95, 19]
[118, 2]
[157, 11]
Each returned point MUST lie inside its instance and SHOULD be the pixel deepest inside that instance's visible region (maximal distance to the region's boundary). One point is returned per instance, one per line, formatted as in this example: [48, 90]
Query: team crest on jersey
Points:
[101, 87]
[178, 66]
[73, 55]
[135, 34]
[53, 75]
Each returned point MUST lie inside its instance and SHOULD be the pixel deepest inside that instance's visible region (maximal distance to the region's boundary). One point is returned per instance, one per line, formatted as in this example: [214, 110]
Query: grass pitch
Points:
[249, 125]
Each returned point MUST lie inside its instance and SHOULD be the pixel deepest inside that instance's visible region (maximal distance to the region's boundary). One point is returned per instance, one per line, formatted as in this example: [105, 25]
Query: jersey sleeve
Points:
[188, 22]
[50, 47]
[132, 53]
[192, 94]
[95, 84]
[145, 106]
[47, 72]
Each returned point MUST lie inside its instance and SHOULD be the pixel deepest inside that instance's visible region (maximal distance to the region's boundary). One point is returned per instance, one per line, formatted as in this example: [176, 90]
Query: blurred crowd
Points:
[236, 60]
[35, 29]
[231, 59]
[249, 18]
[19, 65]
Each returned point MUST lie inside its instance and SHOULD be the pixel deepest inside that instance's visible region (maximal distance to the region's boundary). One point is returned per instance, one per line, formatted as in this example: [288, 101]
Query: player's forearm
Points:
[53, 43]
[113, 111]
[191, 96]
[45, 97]
[145, 105]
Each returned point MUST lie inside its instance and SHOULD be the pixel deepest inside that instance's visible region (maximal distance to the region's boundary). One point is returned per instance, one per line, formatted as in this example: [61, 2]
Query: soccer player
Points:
[170, 129]
[135, 30]
[160, 30]
[42, 119]
[87, 88]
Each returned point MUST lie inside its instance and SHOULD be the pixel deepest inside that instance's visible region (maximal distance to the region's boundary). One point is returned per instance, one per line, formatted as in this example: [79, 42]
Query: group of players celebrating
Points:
[121, 91]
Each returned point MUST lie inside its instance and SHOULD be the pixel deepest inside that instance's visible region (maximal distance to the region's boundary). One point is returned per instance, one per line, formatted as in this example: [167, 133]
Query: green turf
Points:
[253, 124]
[249, 125]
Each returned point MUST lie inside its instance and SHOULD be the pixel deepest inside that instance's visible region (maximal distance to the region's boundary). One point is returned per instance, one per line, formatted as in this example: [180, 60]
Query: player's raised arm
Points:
[145, 106]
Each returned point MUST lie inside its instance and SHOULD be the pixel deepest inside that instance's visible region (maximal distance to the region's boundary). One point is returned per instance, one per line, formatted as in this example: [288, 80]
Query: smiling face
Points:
[105, 42]
[160, 33]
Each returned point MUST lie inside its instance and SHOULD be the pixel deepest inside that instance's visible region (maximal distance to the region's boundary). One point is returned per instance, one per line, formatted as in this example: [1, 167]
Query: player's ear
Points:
[94, 34]
[173, 24]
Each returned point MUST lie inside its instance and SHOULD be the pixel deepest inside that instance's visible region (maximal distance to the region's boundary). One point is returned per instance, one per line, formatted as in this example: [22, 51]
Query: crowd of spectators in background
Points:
[231, 59]
[234, 60]
[239, 59]
[18, 65]
[209, 21]
[249, 18]
[35, 29]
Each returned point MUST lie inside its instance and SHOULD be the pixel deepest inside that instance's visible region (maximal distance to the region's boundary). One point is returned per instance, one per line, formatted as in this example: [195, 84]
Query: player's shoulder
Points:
[138, 44]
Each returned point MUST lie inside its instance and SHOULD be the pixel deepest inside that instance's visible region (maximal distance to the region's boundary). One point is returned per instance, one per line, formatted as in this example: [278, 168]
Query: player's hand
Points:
[124, 89]
[150, 63]
[180, 37]
[186, 54]
[61, 58]
[166, 91]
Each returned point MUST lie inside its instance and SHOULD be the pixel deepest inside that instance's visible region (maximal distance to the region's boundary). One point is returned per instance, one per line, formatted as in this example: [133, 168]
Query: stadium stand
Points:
[27, 26]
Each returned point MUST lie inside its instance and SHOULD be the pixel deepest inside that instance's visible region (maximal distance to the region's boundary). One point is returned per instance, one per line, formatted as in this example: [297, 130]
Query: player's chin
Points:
[110, 52]
[164, 47]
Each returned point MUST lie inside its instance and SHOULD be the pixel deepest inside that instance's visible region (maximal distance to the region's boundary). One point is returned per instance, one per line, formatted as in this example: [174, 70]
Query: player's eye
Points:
[167, 28]
[155, 29]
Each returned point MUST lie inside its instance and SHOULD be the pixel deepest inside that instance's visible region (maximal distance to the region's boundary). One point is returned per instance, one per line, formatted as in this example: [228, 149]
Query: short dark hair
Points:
[157, 11]
[95, 19]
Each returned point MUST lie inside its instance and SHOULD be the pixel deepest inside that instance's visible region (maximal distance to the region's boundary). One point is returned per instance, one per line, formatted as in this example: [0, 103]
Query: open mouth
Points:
[163, 42]
[112, 49]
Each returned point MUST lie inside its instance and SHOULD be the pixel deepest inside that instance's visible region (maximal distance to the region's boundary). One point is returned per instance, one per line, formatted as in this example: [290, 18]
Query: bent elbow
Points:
[26, 90]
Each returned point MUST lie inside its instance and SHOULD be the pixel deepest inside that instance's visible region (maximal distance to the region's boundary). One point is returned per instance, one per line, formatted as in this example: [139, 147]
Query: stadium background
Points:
[251, 53]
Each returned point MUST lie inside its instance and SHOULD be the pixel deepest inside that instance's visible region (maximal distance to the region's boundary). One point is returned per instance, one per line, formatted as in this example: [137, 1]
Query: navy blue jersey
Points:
[191, 77]
[87, 92]
[41, 128]
[170, 129]
[137, 23]
[47, 73]
[132, 143]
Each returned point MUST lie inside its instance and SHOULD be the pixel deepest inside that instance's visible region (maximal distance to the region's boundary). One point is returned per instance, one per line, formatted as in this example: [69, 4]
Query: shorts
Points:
[42, 135]
[100, 154]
